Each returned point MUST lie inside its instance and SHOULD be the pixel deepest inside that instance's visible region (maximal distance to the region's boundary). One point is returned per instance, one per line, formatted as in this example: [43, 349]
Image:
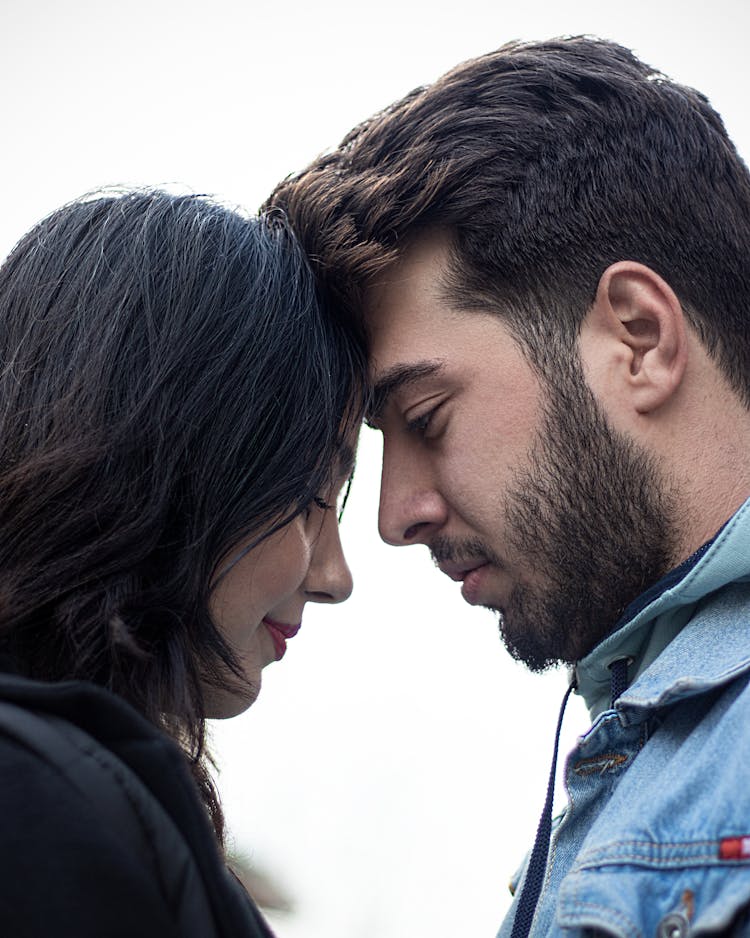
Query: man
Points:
[546, 255]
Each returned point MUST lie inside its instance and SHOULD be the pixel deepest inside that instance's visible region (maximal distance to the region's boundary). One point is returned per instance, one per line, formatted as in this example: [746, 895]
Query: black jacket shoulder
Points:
[103, 831]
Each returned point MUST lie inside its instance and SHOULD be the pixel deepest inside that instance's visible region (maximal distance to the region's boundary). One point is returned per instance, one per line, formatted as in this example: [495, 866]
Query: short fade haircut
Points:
[545, 162]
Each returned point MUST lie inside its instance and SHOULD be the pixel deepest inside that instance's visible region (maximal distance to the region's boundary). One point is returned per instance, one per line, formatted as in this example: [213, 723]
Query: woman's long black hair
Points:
[169, 385]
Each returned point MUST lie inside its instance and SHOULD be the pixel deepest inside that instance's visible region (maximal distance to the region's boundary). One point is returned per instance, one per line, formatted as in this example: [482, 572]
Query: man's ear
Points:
[638, 328]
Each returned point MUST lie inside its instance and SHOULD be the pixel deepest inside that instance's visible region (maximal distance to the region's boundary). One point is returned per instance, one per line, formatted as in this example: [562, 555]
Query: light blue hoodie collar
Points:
[654, 626]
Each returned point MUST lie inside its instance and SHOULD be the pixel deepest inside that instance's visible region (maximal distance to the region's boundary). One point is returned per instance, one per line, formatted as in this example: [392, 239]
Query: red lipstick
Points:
[280, 632]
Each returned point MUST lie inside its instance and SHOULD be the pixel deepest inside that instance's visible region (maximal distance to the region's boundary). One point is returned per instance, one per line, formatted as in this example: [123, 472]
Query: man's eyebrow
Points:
[396, 377]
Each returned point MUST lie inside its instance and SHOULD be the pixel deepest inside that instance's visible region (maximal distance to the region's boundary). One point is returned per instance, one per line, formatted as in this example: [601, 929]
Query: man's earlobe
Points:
[646, 323]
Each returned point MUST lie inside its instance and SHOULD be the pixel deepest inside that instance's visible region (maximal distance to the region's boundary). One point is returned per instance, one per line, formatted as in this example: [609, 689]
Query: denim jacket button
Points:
[672, 926]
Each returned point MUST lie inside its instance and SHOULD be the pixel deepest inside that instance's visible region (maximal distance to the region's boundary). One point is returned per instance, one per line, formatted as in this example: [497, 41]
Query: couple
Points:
[532, 277]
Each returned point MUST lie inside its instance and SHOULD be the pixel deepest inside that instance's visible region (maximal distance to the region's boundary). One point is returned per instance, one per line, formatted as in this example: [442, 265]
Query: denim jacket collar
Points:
[668, 659]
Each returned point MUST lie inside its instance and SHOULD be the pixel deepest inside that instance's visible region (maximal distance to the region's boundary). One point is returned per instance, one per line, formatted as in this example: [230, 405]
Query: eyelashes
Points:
[421, 424]
[315, 502]
[323, 505]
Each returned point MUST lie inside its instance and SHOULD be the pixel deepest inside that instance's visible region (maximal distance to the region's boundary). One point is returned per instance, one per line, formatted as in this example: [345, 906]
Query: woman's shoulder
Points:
[63, 868]
[109, 849]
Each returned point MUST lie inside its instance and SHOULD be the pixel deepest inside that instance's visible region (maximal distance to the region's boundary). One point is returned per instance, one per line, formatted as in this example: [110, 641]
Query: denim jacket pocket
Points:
[667, 890]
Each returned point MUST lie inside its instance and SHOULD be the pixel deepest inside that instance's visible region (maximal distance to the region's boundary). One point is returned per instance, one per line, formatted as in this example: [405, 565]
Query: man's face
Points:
[516, 483]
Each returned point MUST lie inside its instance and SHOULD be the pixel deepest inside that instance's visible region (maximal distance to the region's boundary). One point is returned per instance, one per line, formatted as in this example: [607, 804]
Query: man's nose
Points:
[411, 507]
[329, 579]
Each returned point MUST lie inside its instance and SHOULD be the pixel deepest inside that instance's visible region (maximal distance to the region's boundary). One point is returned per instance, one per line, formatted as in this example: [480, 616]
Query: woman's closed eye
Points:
[316, 504]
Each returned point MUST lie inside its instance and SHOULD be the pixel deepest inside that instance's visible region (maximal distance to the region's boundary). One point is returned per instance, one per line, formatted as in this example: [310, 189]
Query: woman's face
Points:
[257, 605]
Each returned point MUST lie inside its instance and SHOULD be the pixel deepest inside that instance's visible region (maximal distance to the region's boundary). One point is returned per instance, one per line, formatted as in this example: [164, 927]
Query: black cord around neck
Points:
[537, 867]
[535, 871]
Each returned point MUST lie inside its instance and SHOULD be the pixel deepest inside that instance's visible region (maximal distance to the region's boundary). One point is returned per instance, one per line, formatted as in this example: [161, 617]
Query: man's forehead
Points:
[419, 270]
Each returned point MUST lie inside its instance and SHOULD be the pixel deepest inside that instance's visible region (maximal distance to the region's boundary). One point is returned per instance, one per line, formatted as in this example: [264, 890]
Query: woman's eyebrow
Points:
[346, 461]
[396, 377]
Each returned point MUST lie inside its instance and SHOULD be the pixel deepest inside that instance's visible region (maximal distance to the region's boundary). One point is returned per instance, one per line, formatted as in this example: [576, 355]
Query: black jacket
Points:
[102, 831]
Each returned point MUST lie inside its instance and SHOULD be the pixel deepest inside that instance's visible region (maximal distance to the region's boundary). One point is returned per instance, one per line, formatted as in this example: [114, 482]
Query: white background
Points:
[391, 775]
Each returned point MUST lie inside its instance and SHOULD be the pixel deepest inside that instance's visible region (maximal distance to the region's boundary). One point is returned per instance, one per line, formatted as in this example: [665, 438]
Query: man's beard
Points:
[591, 524]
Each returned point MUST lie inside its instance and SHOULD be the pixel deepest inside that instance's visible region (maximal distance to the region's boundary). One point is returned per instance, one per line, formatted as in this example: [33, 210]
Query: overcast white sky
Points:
[393, 770]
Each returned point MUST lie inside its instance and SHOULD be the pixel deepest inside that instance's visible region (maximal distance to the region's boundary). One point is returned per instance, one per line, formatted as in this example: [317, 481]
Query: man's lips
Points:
[473, 580]
[459, 571]
[280, 632]
[468, 572]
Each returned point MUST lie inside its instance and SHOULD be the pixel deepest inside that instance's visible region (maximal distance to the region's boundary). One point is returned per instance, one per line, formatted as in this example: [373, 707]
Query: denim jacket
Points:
[655, 838]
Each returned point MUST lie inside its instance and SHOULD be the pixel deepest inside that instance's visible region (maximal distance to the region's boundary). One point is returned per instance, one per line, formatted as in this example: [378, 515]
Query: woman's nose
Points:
[329, 579]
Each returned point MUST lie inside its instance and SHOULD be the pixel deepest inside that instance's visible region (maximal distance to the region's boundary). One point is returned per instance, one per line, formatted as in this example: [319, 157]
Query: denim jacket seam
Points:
[578, 905]
[612, 855]
[717, 682]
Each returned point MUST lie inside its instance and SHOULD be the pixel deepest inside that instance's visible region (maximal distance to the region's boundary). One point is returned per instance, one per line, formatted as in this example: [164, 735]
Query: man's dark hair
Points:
[169, 386]
[546, 162]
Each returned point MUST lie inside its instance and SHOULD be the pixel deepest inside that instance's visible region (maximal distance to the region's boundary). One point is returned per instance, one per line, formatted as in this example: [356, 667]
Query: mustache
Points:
[454, 550]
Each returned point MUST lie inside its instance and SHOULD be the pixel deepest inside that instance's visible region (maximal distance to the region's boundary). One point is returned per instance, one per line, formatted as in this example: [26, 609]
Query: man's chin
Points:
[528, 641]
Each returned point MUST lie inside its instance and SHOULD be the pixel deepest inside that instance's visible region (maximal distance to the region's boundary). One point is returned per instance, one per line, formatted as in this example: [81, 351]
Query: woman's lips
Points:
[280, 632]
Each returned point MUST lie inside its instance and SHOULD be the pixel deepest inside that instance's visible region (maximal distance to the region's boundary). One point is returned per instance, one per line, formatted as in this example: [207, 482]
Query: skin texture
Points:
[518, 483]
[302, 562]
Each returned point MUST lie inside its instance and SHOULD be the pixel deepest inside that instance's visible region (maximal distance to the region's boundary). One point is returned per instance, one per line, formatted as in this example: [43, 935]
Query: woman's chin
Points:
[222, 703]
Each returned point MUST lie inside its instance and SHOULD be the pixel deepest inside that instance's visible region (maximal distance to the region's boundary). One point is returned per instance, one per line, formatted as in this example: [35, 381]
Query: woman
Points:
[177, 417]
